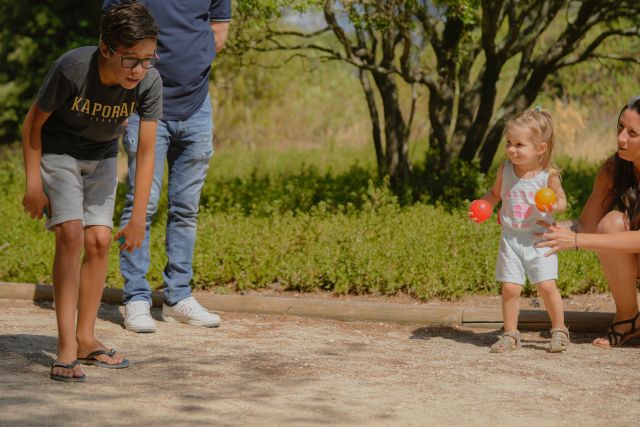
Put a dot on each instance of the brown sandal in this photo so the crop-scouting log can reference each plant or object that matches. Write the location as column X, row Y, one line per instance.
column 509, row 341
column 617, row 339
column 559, row 340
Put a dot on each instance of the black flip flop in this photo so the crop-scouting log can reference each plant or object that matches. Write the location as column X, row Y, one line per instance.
column 91, row 360
column 64, row 378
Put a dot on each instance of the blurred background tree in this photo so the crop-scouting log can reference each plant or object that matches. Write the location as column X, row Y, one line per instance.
column 447, row 72
column 459, row 50
column 33, row 33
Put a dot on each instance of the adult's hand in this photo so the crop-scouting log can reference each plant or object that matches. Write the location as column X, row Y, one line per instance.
column 556, row 237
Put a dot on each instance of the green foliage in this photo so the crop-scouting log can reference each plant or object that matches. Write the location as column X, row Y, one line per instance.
column 302, row 191
column 332, row 235
column 608, row 85
column 465, row 10
column 27, row 249
column 305, row 103
column 450, row 188
column 577, row 182
column 33, row 33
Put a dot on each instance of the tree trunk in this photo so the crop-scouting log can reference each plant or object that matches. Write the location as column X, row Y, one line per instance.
column 397, row 155
column 375, row 123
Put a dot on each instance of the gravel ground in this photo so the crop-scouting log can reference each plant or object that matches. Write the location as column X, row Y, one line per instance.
column 285, row 370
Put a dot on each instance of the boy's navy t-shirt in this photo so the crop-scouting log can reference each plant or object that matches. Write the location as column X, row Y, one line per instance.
column 86, row 116
column 186, row 48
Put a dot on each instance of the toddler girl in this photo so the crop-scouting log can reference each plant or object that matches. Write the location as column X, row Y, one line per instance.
column 530, row 139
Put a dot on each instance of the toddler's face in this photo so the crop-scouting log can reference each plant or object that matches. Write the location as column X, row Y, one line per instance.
column 629, row 136
column 521, row 149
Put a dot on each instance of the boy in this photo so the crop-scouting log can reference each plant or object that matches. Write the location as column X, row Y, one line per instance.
column 70, row 142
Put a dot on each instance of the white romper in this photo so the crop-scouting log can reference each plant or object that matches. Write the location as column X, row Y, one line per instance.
column 518, row 258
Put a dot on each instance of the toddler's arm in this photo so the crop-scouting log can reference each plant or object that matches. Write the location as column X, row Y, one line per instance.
column 493, row 195
column 561, row 199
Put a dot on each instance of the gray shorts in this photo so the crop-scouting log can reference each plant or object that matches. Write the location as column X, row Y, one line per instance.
column 82, row 190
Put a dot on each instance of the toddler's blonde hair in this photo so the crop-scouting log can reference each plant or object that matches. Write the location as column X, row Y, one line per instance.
column 539, row 124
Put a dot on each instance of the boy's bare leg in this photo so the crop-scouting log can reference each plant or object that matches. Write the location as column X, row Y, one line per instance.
column 69, row 241
column 93, row 271
column 552, row 302
column 510, row 306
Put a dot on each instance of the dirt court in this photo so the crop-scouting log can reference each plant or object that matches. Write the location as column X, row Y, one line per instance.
column 293, row 371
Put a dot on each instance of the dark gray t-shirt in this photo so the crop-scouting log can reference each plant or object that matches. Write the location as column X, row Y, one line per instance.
column 86, row 116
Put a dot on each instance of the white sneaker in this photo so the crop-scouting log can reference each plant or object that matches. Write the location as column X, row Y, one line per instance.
column 137, row 317
column 190, row 311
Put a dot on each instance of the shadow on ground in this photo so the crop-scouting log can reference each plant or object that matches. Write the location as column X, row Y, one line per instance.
column 533, row 340
column 38, row 349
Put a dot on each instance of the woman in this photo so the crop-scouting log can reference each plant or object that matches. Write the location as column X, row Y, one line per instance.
column 610, row 225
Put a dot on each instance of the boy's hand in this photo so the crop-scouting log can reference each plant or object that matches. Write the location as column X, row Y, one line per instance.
column 35, row 202
column 131, row 236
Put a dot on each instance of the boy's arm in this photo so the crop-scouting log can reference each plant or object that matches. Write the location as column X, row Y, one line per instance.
column 134, row 231
column 34, row 200
column 493, row 195
column 561, row 199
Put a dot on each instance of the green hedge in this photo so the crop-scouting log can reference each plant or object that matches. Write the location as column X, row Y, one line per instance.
column 376, row 247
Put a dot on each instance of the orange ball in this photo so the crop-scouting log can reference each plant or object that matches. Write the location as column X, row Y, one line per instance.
column 545, row 198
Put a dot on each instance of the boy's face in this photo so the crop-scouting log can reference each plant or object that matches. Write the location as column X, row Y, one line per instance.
column 126, row 65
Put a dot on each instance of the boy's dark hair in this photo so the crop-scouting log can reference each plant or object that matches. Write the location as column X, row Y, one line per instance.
column 126, row 25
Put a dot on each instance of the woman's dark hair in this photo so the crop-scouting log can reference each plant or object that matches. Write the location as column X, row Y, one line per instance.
column 626, row 192
column 126, row 25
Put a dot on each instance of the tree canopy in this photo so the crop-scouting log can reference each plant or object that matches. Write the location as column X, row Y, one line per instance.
column 479, row 60
column 33, row 33
column 458, row 50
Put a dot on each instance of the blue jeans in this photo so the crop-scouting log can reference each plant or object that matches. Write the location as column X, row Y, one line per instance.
column 187, row 147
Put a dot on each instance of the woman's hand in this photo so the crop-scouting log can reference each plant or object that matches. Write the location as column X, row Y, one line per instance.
column 556, row 237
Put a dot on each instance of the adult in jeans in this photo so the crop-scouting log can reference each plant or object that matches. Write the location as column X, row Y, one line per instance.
column 610, row 225
column 191, row 32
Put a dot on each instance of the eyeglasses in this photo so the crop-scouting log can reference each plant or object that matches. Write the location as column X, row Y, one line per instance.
column 133, row 62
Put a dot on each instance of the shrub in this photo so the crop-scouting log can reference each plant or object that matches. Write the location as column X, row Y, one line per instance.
column 329, row 234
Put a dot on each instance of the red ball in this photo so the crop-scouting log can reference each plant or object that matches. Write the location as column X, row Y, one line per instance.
column 480, row 211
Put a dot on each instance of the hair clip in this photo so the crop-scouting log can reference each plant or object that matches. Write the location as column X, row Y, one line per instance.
column 538, row 109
